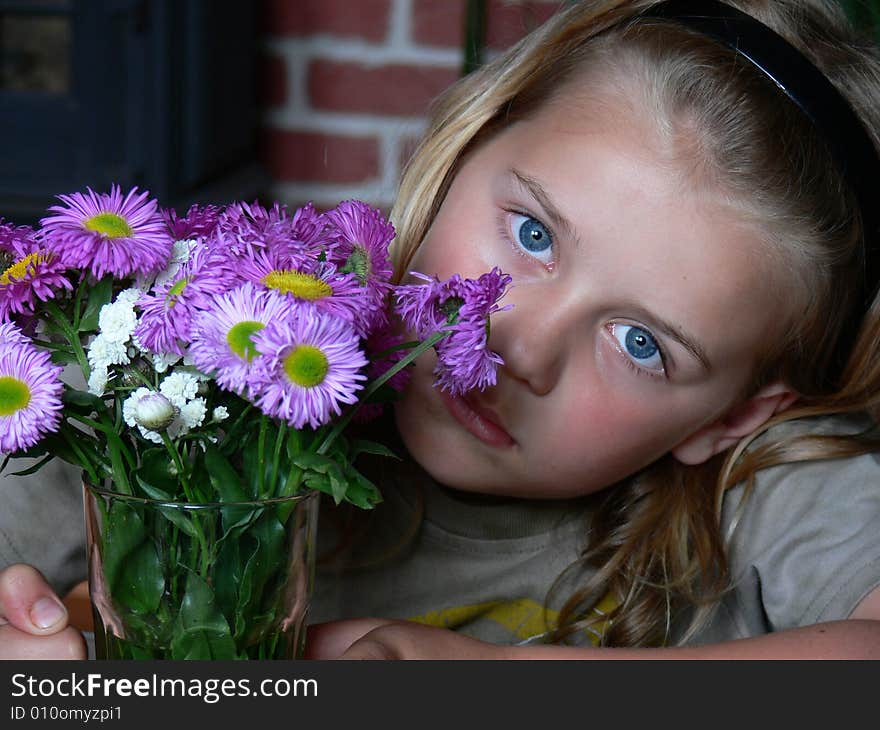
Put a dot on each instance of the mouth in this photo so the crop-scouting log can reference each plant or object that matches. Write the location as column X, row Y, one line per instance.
column 478, row 421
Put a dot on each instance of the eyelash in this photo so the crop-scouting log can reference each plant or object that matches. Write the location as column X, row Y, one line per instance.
column 504, row 231
column 630, row 363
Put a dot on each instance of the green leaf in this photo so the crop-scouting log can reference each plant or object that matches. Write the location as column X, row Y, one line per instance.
column 361, row 491
column 362, row 446
column 131, row 563
column 99, row 295
column 157, row 473
column 201, row 631
column 266, row 563
column 225, row 480
column 82, row 399
column 62, row 357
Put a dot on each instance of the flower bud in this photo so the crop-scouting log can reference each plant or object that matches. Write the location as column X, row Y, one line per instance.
column 154, row 411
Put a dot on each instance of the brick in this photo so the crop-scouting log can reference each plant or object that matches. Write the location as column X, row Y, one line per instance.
column 394, row 89
column 367, row 19
column 438, row 22
column 442, row 22
column 272, row 76
column 508, row 21
column 292, row 155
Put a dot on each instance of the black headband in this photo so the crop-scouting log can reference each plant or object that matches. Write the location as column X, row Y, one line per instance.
column 803, row 83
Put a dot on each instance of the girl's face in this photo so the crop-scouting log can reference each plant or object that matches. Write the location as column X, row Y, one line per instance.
column 641, row 303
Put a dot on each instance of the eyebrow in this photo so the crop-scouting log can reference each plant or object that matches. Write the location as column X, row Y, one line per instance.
column 537, row 191
column 673, row 331
column 679, row 335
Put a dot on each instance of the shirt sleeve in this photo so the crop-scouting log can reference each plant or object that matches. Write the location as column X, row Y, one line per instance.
column 42, row 523
column 806, row 548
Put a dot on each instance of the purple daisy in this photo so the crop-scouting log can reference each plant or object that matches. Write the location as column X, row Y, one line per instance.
column 107, row 234
column 27, row 273
column 293, row 242
column 311, row 364
column 168, row 311
column 30, row 397
column 364, row 237
column 464, row 307
column 198, row 222
column 222, row 335
column 464, row 360
column 319, row 283
column 10, row 335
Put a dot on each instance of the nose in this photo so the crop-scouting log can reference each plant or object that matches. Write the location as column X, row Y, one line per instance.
column 533, row 337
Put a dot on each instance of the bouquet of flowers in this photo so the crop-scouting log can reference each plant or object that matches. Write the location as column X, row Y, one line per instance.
column 202, row 371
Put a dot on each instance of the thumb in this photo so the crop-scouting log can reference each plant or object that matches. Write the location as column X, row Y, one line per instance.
column 29, row 603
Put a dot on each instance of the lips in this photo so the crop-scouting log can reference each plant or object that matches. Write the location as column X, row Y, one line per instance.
column 478, row 420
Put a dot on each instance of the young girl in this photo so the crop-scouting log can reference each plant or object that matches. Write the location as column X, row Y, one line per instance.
column 678, row 457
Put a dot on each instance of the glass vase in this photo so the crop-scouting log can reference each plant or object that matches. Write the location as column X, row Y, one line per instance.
column 172, row 580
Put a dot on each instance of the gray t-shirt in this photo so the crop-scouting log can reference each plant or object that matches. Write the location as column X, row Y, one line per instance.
column 806, row 549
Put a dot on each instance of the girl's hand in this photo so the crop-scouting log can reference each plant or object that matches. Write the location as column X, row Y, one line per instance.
column 33, row 621
column 372, row 638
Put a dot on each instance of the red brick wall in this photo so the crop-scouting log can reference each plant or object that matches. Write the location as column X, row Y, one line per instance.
column 346, row 83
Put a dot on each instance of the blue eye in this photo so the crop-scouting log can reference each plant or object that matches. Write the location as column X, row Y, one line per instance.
column 532, row 235
column 640, row 346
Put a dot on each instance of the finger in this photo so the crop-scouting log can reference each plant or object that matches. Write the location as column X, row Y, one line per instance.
column 28, row 603
column 369, row 649
column 66, row 644
column 329, row 640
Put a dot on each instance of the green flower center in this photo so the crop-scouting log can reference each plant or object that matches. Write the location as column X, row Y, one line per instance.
column 306, row 366
column 239, row 339
column 359, row 264
column 304, row 286
column 175, row 291
column 20, row 269
column 109, row 224
column 14, row 395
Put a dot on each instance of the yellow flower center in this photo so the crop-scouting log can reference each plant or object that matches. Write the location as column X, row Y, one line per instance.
column 239, row 339
column 14, row 395
column 306, row 366
column 109, row 224
column 20, row 269
column 304, row 286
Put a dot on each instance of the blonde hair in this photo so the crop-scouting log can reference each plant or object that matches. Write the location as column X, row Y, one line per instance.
column 655, row 540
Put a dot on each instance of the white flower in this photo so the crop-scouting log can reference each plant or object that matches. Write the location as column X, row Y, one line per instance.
column 98, row 381
column 164, row 360
column 180, row 253
column 221, row 413
column 129, row 296
column 179, row 388
column 117, row 321
column 153, row 436
column 149, row 411
column 193, row 413
column 129, row 405
column 104, row 352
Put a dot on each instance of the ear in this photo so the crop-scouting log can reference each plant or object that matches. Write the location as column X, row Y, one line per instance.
column 738, row 422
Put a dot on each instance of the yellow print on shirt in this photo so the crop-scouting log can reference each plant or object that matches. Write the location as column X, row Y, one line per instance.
column 523, row 617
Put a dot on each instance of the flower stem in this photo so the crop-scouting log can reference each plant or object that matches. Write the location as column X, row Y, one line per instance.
column 181, row 472
column 378, row 383
column 261, row 455
column 276, row 456
column 71, row 334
